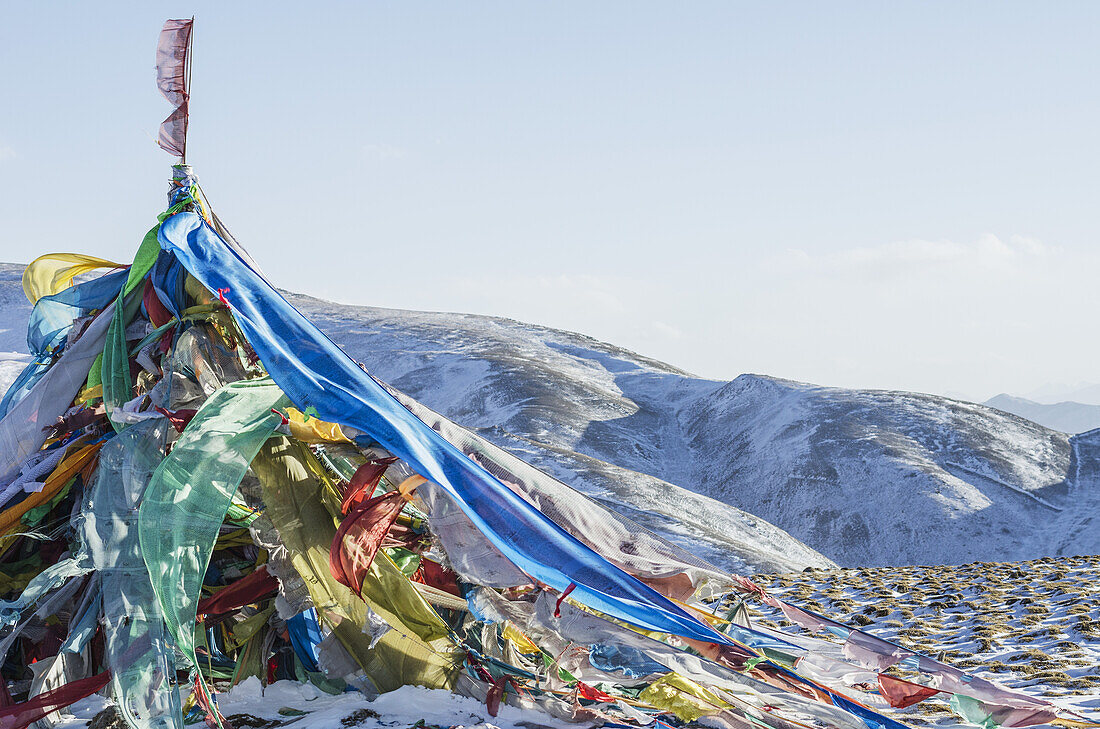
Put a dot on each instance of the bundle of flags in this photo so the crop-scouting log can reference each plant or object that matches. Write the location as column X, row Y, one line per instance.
column 197, row 487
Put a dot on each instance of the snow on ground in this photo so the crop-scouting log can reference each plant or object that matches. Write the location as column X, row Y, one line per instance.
column 11, row 364
column 1032, row 626
column 404, row 707
column 288, row 703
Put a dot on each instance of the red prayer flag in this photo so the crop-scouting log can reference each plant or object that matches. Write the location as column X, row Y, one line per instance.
column 359, row 537
column 154, row 307
column 245, row 591
column 592, row 693
column 172, row 49
column 363, row 483
column 436, row 575
column 178, row 418
column 23, row 714
column 495, row 694
column 900, row 693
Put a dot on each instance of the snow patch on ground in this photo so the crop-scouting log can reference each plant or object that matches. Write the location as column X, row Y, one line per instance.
column 301, row 705
column 11, row 364
column 1031, row 626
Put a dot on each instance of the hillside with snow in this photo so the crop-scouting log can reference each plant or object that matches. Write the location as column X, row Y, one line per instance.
column 862, row 477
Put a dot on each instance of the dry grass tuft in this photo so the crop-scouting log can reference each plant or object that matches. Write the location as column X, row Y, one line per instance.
column 1028, row 624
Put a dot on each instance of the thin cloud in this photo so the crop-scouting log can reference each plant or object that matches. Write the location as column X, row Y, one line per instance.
column 987, row 252
column 583, row 292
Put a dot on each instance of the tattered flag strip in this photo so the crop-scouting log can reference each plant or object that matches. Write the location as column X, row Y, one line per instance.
column 172, row 51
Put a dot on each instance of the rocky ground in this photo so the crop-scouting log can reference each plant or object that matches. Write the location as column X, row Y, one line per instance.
column 1033, row 626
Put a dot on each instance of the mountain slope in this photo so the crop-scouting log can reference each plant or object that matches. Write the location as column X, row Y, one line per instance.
column 865, row 477
column 1068, row 417
column 874, row 477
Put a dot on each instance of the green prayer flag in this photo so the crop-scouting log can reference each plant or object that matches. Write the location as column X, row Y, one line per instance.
column 191, row 491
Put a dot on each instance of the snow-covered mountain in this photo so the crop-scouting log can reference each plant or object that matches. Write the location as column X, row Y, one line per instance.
column 874, row 477
column 863, row 477
column 1068, row 417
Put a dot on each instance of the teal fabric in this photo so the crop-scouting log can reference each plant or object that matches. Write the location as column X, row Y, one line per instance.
column 115, row 360
column 971, row 710
column 191, row 492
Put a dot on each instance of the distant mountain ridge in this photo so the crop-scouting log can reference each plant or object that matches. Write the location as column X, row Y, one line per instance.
column 1068, row 417
column 752, row 474
column 1087, row 393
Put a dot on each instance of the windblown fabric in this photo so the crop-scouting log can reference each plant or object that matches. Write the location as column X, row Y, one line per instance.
column 190, row 493
column 52, row 318
column 360, row 536
column 258, row 585
column 900, row 694
column 314, row 372
column 363, row 482
column 52, row 322
column 52, row 273
column 179, row 480
column 172, row 49
column 571, row 624
column 22, row 715
column 878, row 654
column 305, row 635
column 21, row 429
column 61, row 476
column 139, row 653
column 416, row 650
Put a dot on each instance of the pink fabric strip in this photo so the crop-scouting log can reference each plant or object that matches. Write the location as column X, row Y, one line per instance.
column 172, row 47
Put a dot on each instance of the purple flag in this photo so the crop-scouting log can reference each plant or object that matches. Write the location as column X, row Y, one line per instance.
column 172, row 49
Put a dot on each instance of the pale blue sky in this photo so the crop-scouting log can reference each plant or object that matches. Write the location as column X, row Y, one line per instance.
column 857, row 194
